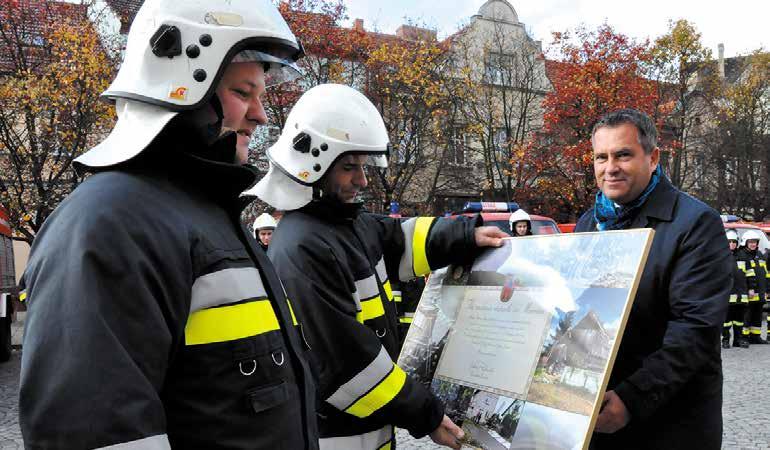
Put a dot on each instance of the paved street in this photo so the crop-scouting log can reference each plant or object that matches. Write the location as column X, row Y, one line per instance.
column 745, row 382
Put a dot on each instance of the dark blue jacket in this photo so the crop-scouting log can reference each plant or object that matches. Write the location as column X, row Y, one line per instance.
column 668, row 371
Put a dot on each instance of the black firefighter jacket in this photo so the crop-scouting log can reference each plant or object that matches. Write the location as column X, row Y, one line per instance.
column 338, row 265
column 754, row 267
column 668, row 371
column 155, row 320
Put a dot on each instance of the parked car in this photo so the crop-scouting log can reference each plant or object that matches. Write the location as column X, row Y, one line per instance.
column 498, row 214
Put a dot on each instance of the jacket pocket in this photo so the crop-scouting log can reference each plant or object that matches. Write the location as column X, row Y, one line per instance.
column 268, row 397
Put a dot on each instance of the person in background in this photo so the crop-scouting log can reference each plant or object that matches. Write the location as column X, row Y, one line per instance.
column 263, row 228
column 521, row 224
column 739, row 299
column 755, row 268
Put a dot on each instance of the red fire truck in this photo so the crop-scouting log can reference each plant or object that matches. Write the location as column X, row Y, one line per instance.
column 8, row 287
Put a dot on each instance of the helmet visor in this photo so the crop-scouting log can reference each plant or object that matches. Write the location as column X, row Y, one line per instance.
column 279, row 70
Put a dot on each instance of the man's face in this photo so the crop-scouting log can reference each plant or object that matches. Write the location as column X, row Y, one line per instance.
column 621, row 167
column 733, row 245
column 521, row 228
column 265, row 236
column 752, row 244
column 346, row 178
column 240, row 92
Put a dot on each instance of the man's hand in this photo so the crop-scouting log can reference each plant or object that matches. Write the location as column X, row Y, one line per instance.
column 448, row 433
column 490, row 236
column 613, row 415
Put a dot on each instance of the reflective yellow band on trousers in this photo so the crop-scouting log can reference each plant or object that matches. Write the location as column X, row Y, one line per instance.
column 370, row 309
column 22, row 296
column 380, row 395
column 733, row 298
column 420, row 239
column 229, row 323
column 728, row 324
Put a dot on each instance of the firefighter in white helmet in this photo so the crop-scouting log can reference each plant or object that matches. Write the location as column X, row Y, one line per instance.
column 263, row 228
column 738, row 300
column 338, row 263
column 755, row 268
column 136, row 337
column 521, row 224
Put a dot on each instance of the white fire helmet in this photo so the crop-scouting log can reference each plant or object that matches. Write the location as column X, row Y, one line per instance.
column 327, row 122
column 264, row 222
column 732, row 235
column 518, row 216
column 751, row 235
column 175, row 55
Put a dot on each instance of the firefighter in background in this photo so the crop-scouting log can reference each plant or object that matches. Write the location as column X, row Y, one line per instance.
column 263, row 228
column 738, row 301
column 521, row 224
column 754, row 264
column 135, row 334
column 337, row 262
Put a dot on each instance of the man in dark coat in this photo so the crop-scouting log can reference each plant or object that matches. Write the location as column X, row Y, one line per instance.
column 665, row 390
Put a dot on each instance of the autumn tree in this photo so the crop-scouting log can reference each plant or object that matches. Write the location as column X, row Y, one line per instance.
column 679, row 63
column 740, row 151
column 53, row 66
column 597, row 72
column 503, row 107
column 409, row 82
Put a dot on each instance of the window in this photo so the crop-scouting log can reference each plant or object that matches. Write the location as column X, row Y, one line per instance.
column 499, row 67
column 458, row 147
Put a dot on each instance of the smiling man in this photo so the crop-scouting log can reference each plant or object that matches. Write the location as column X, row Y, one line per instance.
column 665, row 390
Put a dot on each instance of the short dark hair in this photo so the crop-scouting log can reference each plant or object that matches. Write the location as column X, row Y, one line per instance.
column 648, row 135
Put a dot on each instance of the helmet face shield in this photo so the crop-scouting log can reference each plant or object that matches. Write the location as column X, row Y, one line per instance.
column 277, row 70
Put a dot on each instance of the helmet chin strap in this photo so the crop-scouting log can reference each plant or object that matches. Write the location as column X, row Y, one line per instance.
column 207, row 120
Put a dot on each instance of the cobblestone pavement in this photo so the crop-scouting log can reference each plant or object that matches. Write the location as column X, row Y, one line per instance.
column 745, row 385
column 10, row 434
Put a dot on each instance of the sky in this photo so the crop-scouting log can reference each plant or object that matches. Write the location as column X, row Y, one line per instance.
column 740, row 24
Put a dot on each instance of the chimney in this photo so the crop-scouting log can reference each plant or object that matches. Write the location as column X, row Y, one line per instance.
column 721, row 49
column 358, row 24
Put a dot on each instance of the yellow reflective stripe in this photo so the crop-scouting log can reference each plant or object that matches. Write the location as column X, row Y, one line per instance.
column 291, row 310
column 755, row 298
column 741, row 265
column 420, row 239
column 386, row 446
column 728, row 324
column 370, row 309
column 744, row 298
column 397, row 296
column 229, row 323
column 22, row 296
column 737, row 324
column 388, row 290
column 405, row 319
column 745, row 332
column 733, row 298
column 380, row 395
column 755, row 330
column 750, row 273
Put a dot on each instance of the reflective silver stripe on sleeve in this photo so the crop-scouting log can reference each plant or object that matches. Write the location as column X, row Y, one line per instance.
column 381, row 272
column 367, row 288
column 372, row 440
column 357, row 300
column 157, row 442
column 226, row 286
column 363, row 382
column 405, row 266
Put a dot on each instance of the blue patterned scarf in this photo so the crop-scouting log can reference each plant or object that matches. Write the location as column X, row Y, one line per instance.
column 611, row 217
